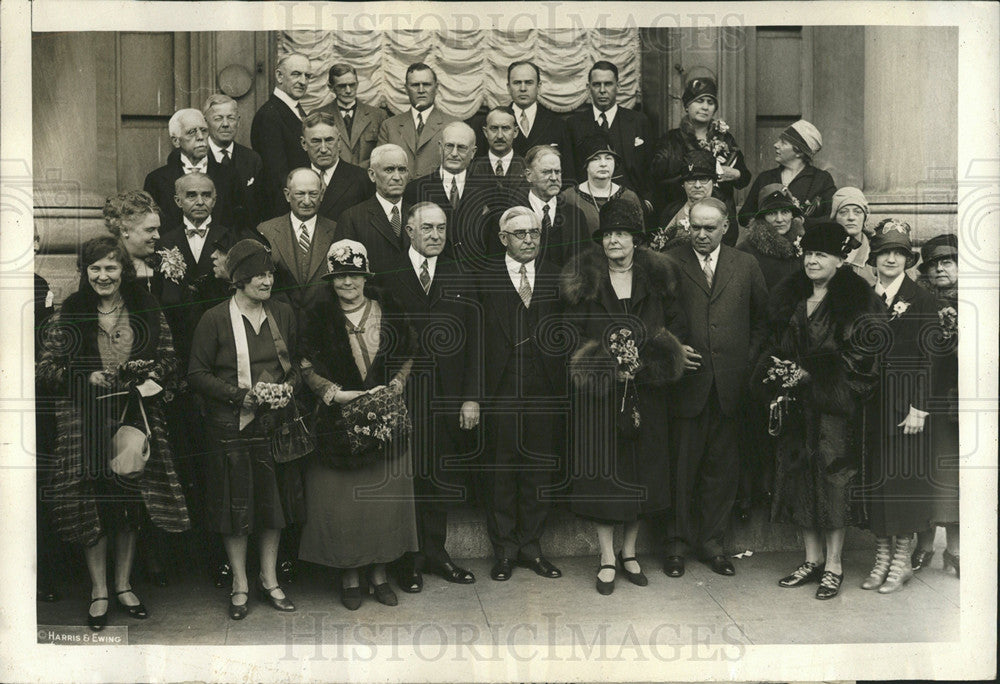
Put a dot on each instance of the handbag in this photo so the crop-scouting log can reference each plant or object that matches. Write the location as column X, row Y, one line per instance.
column 778, row 415
column 130, row 446
column 374, row 420
column 291, row 439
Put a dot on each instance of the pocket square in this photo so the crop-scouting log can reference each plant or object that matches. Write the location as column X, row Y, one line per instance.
column 250, row 182
column 639, row 141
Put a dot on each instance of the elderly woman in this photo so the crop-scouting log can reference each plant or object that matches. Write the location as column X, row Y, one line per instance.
column 242, row 363
column 700, row 130
column 133, row 217
column 621, row 297
column 939, row 276
column 794, row 151
column 108, row 339
column 599, row 165
column 897, row 487
column 773, row 236
column 360, row 512
column 817, row 411
column 850, row 209
column 698, row 183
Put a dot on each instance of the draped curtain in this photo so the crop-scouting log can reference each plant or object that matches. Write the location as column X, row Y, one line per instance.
column 471, row 65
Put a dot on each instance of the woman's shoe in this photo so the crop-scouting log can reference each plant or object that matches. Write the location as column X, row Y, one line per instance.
column 238, row 611
column 883, row 557
column 948, row 558
column 282, row 604
column 829, row 585
column 605, row 588
column 636, row 578
column 804, row 574
column 350, row 597
column 383, row 592
column 900, row 571
column 97, row 622
column 920, row 558
column 138, row 611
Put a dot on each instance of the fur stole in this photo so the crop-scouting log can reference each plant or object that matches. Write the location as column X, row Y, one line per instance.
column 848, row 294
column 583, row 278
column 765, row 240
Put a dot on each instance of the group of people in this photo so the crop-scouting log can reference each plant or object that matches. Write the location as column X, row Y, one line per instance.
column 333, row 339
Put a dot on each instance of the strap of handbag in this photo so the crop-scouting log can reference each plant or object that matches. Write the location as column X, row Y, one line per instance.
column 142, row 410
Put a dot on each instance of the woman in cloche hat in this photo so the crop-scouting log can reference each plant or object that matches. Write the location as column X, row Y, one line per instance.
column 600, row 165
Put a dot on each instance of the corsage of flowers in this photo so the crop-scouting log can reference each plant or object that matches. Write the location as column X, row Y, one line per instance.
column 661, row 238
column 172, row 264
column 898, row 309
column 626, row 355
column 948, row 317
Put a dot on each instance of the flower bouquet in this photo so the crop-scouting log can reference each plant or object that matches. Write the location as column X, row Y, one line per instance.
column 274, row 395
column 375, row 419
column 716, row 143
column 626, row 355
column 172, row 264
column 786, row 375
column 132, row 373
column 948, row 318
column 664, row 238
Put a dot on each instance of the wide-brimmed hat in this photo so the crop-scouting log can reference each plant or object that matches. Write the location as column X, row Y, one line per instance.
column 346, row 257
column 619, row 214
column 804, row 136
column 889, row 234
column 828, row 237
column 944, row 246
column 699, row 164
column 775, row 196
column 697, row 87
column 248, row 258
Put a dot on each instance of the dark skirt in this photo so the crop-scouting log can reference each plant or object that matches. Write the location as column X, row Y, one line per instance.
column 944, row 468
column 246, row 490
column 817, row 460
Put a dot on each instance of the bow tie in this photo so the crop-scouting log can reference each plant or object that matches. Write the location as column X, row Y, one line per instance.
column 200, row 168
column 191, row 232
column 344, row 112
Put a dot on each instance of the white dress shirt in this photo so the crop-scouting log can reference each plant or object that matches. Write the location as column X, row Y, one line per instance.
column 196, row 242
column 609, row 115
column 189, row 166
column 417, row 259
column 387, row 208
column 537, row 203
column 514, row 271
column 217, row 151
column 504, row 160
column 529, row 112
column 325, row 174
column 446, row 177
column 424, row 112
column 288, row 100
column 892, row 289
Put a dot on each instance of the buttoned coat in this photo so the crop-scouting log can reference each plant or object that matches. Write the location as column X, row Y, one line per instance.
column 423, row 153
column 285, row 251
column 727, row 325
column 276, row 135
column 630, row 135
column 349, row 185
column 367, row 223
column 356, row 147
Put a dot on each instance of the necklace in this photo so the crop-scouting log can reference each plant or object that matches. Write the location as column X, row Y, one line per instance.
column 589, row 192
column 359, row 307
column 619, row 270
column 113, row 309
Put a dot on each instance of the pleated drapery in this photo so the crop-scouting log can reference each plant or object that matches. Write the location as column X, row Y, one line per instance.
column 471, row 65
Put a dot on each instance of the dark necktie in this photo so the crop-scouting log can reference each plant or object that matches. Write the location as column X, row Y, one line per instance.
column 453, row 195
column 604, row 123
column 499, row 169
column 546, row 221
column 885, row 297
column 226, row 159
column 302, row 112
column 348, row 119
column 420, row 124
column 394, row 221
column 425, row 278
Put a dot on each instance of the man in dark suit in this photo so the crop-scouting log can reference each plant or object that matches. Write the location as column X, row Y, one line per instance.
column 357, row 122
column 276, row 130
column 223, row 119
column 501, row 165
column 377, row 223
column 299, row 242
column 724, row 297
column 342, row 184
column 536, row 124
column 418, row 129
column 519, row 297
column 189, row 136
column 564, row 226
column 436, row 296
column 627, row 131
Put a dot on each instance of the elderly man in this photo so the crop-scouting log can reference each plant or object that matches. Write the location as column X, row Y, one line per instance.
column 223, row 118
column 627, row 131
column 519, row 297
column 343, row 184
column 563, row 225
column 277, row 129
column 501, row 165
column 189, row 136
column 724, row 298
column 417, row 130
column 299, row 241
column 377, row 223
column 435, row 295
column 357, row 122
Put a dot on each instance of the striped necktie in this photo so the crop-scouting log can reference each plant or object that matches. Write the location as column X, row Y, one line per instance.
column 425, row 278
column 304, row 241
column 525, row 289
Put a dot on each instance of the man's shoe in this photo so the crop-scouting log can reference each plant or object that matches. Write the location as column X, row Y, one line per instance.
column 541, row 567
column 286, row 572
column 409, row 579
column 222, row 575
column 673, row 566
column 450, row 572
column 502, row 570
column 721, row 565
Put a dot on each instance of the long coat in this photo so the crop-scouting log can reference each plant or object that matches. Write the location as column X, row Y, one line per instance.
column 811, row 185
column 615, row 477
column 423, row 152
column 69, row 355
column 897, row 488
column 820, row 448
column 356, row 147
column 276, row 135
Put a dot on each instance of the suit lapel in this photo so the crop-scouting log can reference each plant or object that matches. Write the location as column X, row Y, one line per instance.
column 433, row 124
column 408, row 132
column 281, row 242
column 336, row 188
column 214, row 234
column 692, row 269
column 361, row 119
column 322, row 239
column 723, row 272
column 381, row 222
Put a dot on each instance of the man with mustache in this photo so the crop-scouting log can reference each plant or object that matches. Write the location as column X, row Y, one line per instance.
column 189, row 136
column 502, row 164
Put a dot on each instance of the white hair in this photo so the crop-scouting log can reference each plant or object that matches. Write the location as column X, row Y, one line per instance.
column 516, row 212
column 174, row 127
column 379, row 152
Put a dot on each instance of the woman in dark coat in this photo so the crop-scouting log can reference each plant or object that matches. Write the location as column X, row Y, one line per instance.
column 110, row 321
column 773, row 236
column 699, row 130
column 621, row 297
column 238, row 344
column 794, row 151
column 825, row 309
column 356, row 343
column 939, row 269
column 896, row 477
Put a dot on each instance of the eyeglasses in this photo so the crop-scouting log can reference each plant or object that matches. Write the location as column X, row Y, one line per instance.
column 534, row 233
column 699, row 181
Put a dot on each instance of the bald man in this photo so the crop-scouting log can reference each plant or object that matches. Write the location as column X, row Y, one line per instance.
column 189, row 136
column 276, row 131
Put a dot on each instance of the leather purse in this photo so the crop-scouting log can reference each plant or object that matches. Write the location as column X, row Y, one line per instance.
column 291, row 439
column 130, row 446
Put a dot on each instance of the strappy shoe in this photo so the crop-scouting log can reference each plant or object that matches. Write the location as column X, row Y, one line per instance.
column 605, row 588
column 636, row 578
column 98, row 622
column 238, row 611
column 138, row 611
column 804, row 574
column 879, row 571
column 829, row 585
column 267, row 594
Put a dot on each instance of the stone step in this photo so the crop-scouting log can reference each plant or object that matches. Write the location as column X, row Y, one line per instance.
column 568, row 535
